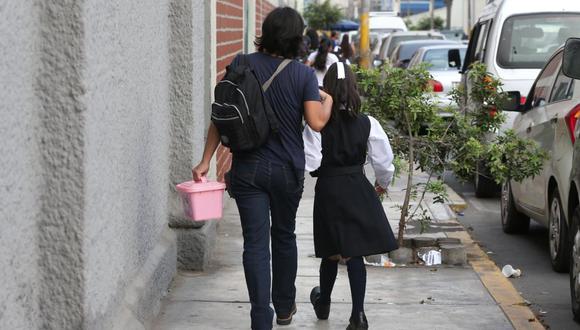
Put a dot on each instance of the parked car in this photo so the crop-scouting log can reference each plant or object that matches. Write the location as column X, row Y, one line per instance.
column 514, row 38
column 402, row 54
column 390, row 42
column 445, row 73
column 548, row 117
column 571, row 68
column 382, row 24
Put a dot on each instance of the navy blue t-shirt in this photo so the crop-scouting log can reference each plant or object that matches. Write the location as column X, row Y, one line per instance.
column 292, row 87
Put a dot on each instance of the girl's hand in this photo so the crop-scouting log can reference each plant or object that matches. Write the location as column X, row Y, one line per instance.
column 380, row 190
column 200, row 170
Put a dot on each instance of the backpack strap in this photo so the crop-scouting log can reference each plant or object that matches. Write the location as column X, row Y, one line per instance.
column 279, row 69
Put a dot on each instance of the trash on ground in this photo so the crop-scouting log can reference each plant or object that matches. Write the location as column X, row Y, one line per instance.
column 509, row 271
column 431, row 257
column 385, row 262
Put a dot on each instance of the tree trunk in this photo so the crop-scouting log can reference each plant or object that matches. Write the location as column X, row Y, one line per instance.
column 405, row 208
column 448, row 4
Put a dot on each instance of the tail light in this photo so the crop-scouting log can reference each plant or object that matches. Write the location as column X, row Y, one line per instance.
column 523, row 100
column 572, row 121
column 436, row 86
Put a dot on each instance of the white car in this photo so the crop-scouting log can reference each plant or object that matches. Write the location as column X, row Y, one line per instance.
column 514, row 38
column 548, row 117
column 445, row 74
column 390, row 42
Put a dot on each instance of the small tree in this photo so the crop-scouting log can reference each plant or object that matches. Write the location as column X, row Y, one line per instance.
column 402, row 101
column 425, row 24
column 321, row 16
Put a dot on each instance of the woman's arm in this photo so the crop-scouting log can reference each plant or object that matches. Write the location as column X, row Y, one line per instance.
column 317, row 113
column 211, row 144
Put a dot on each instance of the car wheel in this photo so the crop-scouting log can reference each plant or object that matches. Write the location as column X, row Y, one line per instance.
column 485, row 187
column 575, row 264
column 512, row 220
column 558, row 234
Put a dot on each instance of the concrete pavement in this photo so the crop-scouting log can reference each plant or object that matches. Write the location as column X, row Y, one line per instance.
column 397, row 298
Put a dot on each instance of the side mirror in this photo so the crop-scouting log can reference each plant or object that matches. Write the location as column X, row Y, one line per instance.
column 454, row 58
column 512, row 101
column 571, row 59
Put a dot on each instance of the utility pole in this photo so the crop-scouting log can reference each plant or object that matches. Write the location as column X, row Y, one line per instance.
column 365, row 51
column 432, row 13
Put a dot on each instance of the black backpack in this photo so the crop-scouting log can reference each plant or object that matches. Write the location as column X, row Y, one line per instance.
column 241, row 114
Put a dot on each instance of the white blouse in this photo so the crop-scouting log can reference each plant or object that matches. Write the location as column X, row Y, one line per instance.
column 380, row 154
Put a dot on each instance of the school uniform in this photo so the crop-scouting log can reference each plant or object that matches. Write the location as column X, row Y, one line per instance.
column 349, row 219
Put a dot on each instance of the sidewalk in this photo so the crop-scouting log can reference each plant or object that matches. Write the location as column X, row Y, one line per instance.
column 397, row 298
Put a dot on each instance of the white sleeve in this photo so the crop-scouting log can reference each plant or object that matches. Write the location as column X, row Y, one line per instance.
column 380, row 154
column 312, row 56
column 312, row 148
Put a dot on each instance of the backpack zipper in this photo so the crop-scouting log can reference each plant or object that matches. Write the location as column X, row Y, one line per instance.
column 228, row 105
column 241, row 93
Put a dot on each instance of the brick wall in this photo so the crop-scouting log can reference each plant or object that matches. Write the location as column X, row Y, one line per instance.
column 229, row 42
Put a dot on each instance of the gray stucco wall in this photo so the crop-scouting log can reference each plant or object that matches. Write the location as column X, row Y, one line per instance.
column 102, row 111
column 127, row 141
column 19, row 168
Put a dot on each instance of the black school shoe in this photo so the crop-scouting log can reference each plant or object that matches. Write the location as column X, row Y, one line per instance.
column 321, row 310
column 358, row 322
column 286, row 320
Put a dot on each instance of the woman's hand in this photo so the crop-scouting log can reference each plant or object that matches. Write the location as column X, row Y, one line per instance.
column 200, row 170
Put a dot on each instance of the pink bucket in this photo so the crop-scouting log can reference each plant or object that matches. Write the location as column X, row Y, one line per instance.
column 202, row 200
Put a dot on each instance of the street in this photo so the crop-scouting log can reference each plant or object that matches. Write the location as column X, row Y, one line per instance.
column 546, row 290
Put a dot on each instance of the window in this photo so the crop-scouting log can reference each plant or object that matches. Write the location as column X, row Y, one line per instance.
column 545, row 81
column 561, row 90
column 476, row 49
column 481, row 41
column 527, row 41
column 438, row 59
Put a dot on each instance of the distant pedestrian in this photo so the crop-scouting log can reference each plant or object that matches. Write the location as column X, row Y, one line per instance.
column 346, row 50
column 322, row 59
column 314, row 39
column 349, row 220
column 270, row 180
column 334, row 39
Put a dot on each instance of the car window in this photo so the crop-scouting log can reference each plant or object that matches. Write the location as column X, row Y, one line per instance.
column 562, row 88
column 438, row 59
column 527, row 41
column 482, row 42
column 544, row 83
column 396, row 40
column 477, row 39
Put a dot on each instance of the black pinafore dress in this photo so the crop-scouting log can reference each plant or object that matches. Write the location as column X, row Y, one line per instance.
column 349, row 219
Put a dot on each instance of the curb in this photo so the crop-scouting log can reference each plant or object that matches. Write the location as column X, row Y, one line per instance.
column 499, row 287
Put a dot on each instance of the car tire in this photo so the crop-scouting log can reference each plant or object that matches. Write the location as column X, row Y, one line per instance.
column 575, row 263
column 485, row 187
column 512, row 220
column 558, row 234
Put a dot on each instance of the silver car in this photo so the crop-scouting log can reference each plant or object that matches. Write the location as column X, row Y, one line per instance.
column 390, row 42
column 445, row 73
column 548, row 117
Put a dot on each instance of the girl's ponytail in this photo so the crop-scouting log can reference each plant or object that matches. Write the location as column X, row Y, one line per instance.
column 320, row 60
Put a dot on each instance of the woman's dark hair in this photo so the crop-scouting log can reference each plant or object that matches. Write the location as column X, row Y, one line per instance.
column 314, row 39
column 345, row 49
column 323, row 49
column 344, row 92
column 281, row 33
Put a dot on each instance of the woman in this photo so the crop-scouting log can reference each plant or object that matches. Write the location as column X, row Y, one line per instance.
column 270, row 180
column 346, row 50
column 322, row 59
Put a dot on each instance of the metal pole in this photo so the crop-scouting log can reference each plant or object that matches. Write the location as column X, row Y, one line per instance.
column 365, row 51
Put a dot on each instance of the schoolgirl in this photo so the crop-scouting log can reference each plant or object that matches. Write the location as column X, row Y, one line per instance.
column 349, row 221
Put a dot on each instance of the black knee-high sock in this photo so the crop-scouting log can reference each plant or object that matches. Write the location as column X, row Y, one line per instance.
column 328, row 269
column 357, row 276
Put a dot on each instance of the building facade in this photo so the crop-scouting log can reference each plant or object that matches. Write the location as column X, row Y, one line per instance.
column 104, row 108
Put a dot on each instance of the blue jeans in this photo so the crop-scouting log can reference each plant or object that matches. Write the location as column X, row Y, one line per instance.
column 261, row 189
